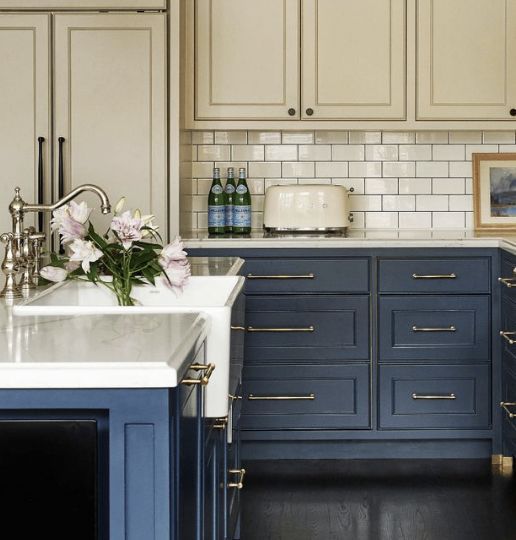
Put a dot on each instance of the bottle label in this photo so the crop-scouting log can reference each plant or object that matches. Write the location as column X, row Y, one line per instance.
column 241, row 189
column 217, row 189
column 229, row 215
column 241, row 216
column 230, row 188
column 216, row 216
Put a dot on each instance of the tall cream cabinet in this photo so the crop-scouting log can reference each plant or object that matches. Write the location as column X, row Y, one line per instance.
column 466, row 59
column 106, row 122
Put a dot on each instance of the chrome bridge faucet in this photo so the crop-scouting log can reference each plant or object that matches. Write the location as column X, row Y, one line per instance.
column 23, row 246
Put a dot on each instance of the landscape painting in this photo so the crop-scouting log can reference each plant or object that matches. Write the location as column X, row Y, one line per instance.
column 503, row 191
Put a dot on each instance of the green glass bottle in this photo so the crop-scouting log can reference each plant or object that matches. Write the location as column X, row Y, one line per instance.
column 229, row 191
column 242, row 206
column 216, row 205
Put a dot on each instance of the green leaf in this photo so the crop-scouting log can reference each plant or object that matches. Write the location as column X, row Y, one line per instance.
column 96, row 238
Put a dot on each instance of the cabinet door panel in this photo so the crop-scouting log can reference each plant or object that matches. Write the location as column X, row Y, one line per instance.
column 110, row 106
column 83, row 4
column 354, row 59
column 24, row 106
column 247, row 59
column 466, row 57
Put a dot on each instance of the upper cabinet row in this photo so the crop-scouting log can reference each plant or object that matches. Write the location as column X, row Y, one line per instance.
column 372, row 60
column 76, row 5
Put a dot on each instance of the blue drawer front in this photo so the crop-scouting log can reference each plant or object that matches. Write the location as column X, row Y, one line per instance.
column 434, row 328
column 508, row 274
column 280, row 328
column 509, row 424
column 419, row 275
column 291, row 276
column 509, row 326
column 339, row 397
column 407, row 397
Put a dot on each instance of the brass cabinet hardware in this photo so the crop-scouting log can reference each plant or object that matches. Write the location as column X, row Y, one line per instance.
column 281, row 276
column 252, row 397
column 506, row 335
column 205, row 379
column 505, row 406
column 508, row 282
column 221, row 423
column 234, row 398
column 241, row 328
column 300, row 329
column 448, row 329
column 240, row 483
column 434, row 276
column 423, row 396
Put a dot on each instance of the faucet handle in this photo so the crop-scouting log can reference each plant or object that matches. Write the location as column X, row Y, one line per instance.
column 10, row 269
column 37, row 239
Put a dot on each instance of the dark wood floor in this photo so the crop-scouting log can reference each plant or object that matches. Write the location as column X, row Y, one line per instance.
column 378, row 500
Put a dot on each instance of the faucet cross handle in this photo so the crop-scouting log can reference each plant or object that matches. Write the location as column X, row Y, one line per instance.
column 27, row 281
column 10, row 269
column 37, row 239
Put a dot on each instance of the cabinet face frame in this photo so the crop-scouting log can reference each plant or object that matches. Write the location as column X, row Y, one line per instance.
column 78, row 5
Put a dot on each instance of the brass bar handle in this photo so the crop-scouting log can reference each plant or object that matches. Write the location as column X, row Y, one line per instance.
column 300, row 329
column 508, row 282
column 241, row 328
column 505, row 406
column 240, row 483
column 283, row 276
column 506, row 335
column 205, row 379
column 252, row 397
column 221, row 423
column 434, row 276
column 448, row 329
column 234, row 398
column 423, row 396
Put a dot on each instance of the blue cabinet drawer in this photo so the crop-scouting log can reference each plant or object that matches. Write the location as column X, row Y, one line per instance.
column 434, row 328
column 446, row 396
column 507, row 278
column 508, row 333
column 509, row 423
column 466, row 275
column 307, row 327
column 305, row 397
column 292, row 276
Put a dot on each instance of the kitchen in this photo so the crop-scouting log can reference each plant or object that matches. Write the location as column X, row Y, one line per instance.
column 379, row 354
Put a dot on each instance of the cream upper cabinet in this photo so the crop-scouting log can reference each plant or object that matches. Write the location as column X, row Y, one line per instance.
column 82, row 4
column 24, row 108
column 466, row 59
column 110, row 107
column 353, row 58
column 247, row 59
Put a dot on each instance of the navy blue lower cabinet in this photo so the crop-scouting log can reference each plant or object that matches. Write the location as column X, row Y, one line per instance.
column 305, row 397
column 508, row 407
column 437, row 396
column 453, row 328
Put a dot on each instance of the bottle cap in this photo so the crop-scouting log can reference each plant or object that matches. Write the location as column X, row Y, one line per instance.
column 231, row 171
column 216, row 172
column 241, row 172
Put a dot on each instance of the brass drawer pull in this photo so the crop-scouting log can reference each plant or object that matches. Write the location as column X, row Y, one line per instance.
column 221, row 423
column 252, row 397
column 435, row 276
column 234, row 398
column 506, row 335
column 301, row 329
column 240, row 483
column 283, row 276
column 241, row 328
column 205, row 379
column 422, row 396
column 449, row 329
column 508, row 282
column 505, row 406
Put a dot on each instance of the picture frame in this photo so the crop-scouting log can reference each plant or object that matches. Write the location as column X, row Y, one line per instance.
column 494, row 191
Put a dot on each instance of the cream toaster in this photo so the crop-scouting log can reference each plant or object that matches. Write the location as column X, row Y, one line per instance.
column 306, row 208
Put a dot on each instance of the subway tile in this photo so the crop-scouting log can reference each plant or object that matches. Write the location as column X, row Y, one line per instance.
column 460, row 169
column 415, row 152
column 281, row 152
column 257, row 221
column 264, row 137
column 314, row 181
column 381, row 185
column 448, row 152
column 399, row 203
column 461, row 203
column 405, row 169
column 365, row 168
column 348, row 152
column 199, row 203
column 295, row 169
column 381, row 152
column 507, row 148
column 470, row 224
column 499, row 137
column 202, row 220
column 381, row 220
column 365, row 137
column 357, row 184
column 432, row 168
column 193, row 152
column 203, row 186
column 429, row 203
column 279, row 182
column 314, row 152
column 331, row 137
column 469, row 186
column 414, row 186
column 257, row 202
column 187, row 186
column 188, row 221
column 432, row 137
column 415, row 220
column 266, row 169
column 480, row 149
column 365, row 203
column 448, row 220
column 248, row 152
column 231, row 137
column 213, row 152
column 358, row 220
column 332, row 169
column 223, row 166
column 448, row 186
column 465, row 137
column 297, row 137
column 256, row 186
column 398, row 137
column 202, row 137
column 202, row 169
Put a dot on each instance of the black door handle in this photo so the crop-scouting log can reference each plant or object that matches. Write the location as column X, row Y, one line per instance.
column 41, row 181
column 60, row 174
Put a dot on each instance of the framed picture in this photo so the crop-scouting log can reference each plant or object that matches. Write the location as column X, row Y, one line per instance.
column 494, row 191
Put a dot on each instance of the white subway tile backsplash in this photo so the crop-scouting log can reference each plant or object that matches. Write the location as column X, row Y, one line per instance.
column 415, row 152
column 249, row 152
column 401, row 169
column 499, row 137
column 314, row 152
column 432, row 137
column 278, row 152
column 460, row 168
column 297, row 137
column 429, row 203
column 449, row 152
column 231, row 137
column 265, row 169
column 399, row 203
column 202, row 137
column 364, row 168
column 331, row 137
column 463, row 203
column 465, row 137
column 365, row 203
column 296, row 169
column 448, row 220
column 348, row 152
column 448, row 186
column 432, row 168
column 415, row 186
column 415, row 220
column 382, row 220
column 264, row 137
column 381, row 185
column 213, row 152
column 332, row 169
column 398, row 137
column 365, row 137
column 381, row 152
column 480, row 149
column 507, row 148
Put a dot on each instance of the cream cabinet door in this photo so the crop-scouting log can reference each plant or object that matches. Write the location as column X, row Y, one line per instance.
column 82, row 4
column 110, row 107
column 353, row 59
column 24, row 109
column 247, row 59
column 466, row 59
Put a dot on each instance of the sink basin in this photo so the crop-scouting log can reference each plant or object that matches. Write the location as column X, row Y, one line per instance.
column 213, row 296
